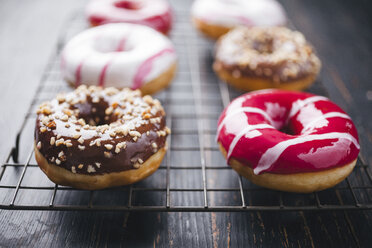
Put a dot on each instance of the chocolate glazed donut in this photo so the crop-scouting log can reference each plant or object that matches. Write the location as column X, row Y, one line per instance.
column 94, row 138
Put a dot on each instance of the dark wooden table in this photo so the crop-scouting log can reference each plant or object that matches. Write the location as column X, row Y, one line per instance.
column 341, row 31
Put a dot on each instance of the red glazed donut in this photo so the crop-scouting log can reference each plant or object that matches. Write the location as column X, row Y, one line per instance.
column 153, row 13
column 318, row 149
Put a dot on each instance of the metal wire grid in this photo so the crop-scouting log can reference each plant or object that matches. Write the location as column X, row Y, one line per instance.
column 354, row 193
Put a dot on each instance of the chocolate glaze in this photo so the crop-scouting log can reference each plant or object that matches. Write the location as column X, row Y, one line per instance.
column 85, row 104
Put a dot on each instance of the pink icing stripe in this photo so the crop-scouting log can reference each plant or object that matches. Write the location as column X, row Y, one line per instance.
column 78, row 73
column 145, row 68
column 120, row 47
column 101, row 80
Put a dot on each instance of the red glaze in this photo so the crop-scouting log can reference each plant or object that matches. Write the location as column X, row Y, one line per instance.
column 321, row 136
column 153, row 13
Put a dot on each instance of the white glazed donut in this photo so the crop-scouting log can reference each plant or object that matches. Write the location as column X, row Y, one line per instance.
column 119, row 55
column 216, row 17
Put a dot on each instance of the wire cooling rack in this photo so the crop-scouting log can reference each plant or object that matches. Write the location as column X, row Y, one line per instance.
column 194, row 175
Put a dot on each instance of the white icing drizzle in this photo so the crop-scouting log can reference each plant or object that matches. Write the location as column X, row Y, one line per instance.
column 230, row 13
column 245, row 110
column 323, row 117
column 273, row 153
column 244, row 132
column 95, row 51
column 297, row 105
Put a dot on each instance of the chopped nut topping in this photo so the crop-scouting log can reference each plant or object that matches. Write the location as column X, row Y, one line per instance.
column 61, row 154
column 60, row 142
column 67, row 112
column 107, row 154
column 80, row 166
column 136, row 165
column 58, row 161
column 73, row 169
column 43, row 129
column 81, row 140
column 109, row 111
column 76, row 136
column 52, row 140
column 140, row 161
column 38, row 145
column 81, row 121
column 90, row 169
column 135, row 133
column 154, row 145
column 115, row 104
column 81, row 147
column 109, row 146
column 64, row 118
column 46, row 110
column 98, row 165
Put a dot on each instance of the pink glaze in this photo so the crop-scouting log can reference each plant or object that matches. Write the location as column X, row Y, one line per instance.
column 145, row 68
column 78, row 73
column 321, row 135
column 153, row 13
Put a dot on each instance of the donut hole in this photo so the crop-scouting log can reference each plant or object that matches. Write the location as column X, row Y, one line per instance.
column 128, row 4
column 94, row 113
column 108, row 44
column 264, row 45
column 287, row 129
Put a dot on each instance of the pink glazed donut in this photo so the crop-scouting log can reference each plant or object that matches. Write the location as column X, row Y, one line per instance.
column 216, row 17
column 120, row 55
column 153, row 13
column 289, row 141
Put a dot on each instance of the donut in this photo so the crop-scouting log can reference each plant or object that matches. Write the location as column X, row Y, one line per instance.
column 156, row 14
column 260, row 58
column 94, row 138
column 288, row 141
column 119, row 55
column 216, row 17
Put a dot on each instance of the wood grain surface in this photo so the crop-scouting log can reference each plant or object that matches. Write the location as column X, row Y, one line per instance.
column 342, row 35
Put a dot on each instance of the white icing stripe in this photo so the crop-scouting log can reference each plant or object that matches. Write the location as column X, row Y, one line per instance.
column 325, row 116
column 242, row 133
column 273, row 153
column 297, row 105
column 245, row 110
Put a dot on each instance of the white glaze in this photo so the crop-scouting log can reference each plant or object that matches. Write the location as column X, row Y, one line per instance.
column 95, row 48
column 230, row 13
column 297, row 105
column 321, row 121
column 273, row 153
